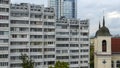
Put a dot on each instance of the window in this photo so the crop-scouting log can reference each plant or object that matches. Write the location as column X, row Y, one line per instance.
column 118, row 63
column 104, row 46
column 3, row 63
column 4, row 56
column 3, row 17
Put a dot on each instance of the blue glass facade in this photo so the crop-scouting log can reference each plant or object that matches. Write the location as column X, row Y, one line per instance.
column 67, row 8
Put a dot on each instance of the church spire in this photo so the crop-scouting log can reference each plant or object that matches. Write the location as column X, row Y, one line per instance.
column 103, row 20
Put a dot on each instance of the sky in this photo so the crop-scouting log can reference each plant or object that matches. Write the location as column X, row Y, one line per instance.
column 94, row 10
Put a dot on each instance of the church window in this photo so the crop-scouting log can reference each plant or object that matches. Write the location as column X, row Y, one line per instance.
column 104, row 46
column 118, row 63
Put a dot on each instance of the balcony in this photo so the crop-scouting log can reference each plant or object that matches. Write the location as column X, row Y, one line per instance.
column 19, row 18
column 19, row 39
column 4, row 36
column 4, row 13
column 19, row 25
column 4, row 21
column 4, row 28
column 4, row 5
column 36, row 19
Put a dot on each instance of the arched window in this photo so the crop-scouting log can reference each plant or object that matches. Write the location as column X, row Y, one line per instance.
column 104, row 46
column 118, row 64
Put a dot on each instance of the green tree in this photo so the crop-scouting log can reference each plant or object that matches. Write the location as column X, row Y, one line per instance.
column 26, row 61
column 59, row 64
column 91, row 56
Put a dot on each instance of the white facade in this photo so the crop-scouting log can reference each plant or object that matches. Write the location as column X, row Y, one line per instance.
column 4, row 33
column 72, row 42
column 33, row 30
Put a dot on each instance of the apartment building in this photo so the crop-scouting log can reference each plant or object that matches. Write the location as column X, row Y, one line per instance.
column 72, row 42
column 4, row 33
column 34, row 30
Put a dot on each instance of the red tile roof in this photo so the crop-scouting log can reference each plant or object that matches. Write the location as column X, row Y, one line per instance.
column 115, row 42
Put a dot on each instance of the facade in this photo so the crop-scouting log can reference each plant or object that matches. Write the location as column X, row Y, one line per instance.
column 4, row 33
column 107, row 49
column 72, row 42
column 66, row 8
column 34, row 30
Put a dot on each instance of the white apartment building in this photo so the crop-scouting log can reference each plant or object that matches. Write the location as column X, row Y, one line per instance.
column 33, row 30
column 4, row 33
column 72, row 42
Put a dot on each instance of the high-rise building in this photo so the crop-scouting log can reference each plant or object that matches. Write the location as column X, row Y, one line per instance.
column 66, row 8
column 72, row 42
column 4, row 33
column 34, row 30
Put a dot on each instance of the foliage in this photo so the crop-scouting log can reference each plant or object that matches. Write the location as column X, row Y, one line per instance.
column 26, row 61
column 59, row 64
column 91, row 56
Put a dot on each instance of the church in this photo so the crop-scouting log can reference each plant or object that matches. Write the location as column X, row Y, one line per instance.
column 106, row 49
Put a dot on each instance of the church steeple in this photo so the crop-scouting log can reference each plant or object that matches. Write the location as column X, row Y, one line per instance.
column 103, row 21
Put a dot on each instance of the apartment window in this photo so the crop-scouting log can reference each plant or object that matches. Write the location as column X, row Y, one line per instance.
column 36, row 29
column 64, row 51
column 62, row 45
column 74, row 57
column 18, row 50
column 3, row 40
column 4, row 1
column 74, row 51
column 35, row 50
column 62, row 57
column 36, row 56
column 36, row 22
column 3, row 25
column 15, row 65
column 3, row 63
column 35, row 36
column 4, row 32
column 4, row 56
column 35, row 43
column 49, row 56
column 4, row 9
column 4, row 17
column 23, row 36
column 49, row 49
column 74, row 45
column 14, row 36
column 74, row 62
column 18, row 43
column 3, row 48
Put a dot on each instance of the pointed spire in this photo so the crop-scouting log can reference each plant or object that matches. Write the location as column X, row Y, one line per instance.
column 99, row 25
column 103, row 20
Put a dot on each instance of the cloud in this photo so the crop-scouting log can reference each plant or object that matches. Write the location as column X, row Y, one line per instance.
column 113, row 14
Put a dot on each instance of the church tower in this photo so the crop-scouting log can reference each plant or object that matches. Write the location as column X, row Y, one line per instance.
column 102, row 47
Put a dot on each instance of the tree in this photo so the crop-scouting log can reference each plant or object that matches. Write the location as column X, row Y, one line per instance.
column 59, row 64
column 91, row 56
column 26, row 61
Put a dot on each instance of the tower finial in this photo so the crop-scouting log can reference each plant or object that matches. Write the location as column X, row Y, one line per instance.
column 99, row 25
column 103, row 20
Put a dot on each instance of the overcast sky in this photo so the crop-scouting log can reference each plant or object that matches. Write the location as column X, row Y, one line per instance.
column 93, row 10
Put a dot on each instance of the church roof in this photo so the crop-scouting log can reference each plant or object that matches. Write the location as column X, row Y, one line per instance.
column 103, row 31
column 115, row 42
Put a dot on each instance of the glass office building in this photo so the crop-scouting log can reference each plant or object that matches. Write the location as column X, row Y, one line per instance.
column 67, row 8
